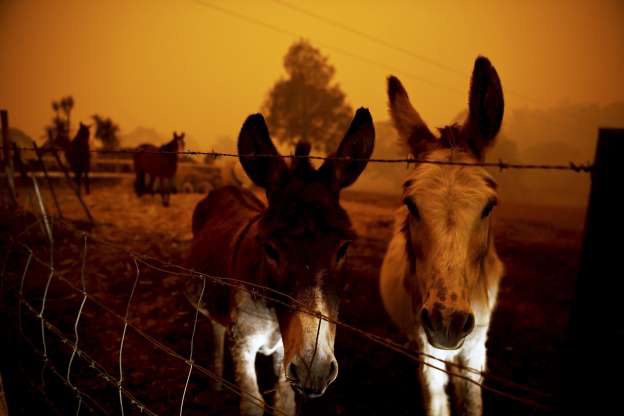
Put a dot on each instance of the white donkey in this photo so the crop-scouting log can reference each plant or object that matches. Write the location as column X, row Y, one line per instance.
column 440, row 277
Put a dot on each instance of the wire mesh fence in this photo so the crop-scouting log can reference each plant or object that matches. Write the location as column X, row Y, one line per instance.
column 59, row 271
column 490, row 382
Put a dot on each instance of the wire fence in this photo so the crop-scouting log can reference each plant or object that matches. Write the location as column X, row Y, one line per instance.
column 47, row 223
column 500, row 164
column 505, row 388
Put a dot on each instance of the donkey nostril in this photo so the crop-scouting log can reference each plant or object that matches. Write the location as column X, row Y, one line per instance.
column 292, row 373
column 424, row 316
column 333, row 370
column 469, row 325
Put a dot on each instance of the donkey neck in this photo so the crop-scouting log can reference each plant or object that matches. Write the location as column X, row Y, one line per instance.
column 245, row 234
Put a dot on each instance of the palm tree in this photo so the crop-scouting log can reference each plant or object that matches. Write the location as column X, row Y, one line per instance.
column 106, row 131
column 67, row 105
column 56, row 106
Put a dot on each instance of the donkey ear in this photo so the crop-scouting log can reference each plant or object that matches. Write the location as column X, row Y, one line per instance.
column 254, row 140
column 486, row 106
column 358, row 144
column 411, row 128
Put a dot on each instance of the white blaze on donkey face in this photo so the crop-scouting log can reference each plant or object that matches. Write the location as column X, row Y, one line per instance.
column 311, row 365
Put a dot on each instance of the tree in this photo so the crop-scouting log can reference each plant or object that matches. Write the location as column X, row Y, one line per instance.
column 67, row 105
column 306, row 105
column 57, row 133
column 106, row 132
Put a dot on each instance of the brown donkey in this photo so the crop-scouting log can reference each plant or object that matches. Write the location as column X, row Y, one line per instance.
column 296, row 246
column 439, row 279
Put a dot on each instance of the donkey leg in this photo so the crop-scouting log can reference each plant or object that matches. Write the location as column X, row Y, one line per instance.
column 244, row 350
column 77, row 179
column 284, row 394
column 469, row 394
column 87, row 184
column 218, row 342
column 433, row 382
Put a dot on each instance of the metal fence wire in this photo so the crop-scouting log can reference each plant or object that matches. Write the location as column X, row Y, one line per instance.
column 507, row 389
column 500, row 164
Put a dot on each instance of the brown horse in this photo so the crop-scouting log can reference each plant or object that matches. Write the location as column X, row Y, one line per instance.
column 157, row 162
column 296, row 246
column 78, row 155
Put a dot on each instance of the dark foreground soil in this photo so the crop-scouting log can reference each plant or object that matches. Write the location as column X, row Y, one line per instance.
column 539, row 245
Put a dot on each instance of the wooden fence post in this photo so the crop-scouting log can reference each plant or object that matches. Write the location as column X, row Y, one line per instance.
column 8, row 160
column 592, row 364
column 47, row 177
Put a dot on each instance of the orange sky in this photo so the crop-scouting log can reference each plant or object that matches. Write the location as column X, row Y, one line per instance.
column 180, row 65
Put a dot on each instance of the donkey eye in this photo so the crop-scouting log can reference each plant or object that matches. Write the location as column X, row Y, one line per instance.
column 413, row 209
column 488, row 208
column 271, row 252
column 342, row 251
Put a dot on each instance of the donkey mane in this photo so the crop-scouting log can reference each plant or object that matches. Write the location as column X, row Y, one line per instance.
column 451, row 136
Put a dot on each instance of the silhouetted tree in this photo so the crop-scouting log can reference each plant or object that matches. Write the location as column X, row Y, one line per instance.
column 57, row 133
column 306, row 105
column 56, row 107
column 67, row 105
column 106, row 132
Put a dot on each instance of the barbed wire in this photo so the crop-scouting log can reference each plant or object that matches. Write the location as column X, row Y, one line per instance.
column 258, row 291
column 500, row 164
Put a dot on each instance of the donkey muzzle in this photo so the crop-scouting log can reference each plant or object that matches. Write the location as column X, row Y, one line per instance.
column 312, row 379
column 446, row 329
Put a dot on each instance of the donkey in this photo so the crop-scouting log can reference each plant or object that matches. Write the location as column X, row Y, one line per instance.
column 439, row 279
column 78, row 155
column 294, row 246
column 157, row 162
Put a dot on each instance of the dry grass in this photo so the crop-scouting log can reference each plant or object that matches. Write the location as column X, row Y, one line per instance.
column 539, row 245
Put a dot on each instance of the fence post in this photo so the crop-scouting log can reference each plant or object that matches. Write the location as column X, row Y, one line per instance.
column 596, row 330
column 8, row 160
column 47, row 177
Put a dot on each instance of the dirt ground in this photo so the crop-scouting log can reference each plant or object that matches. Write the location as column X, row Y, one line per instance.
column 539, row 245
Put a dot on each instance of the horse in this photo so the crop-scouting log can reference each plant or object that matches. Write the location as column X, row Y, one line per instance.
column 157, row 162
column 294, row 246
column 440, row 275
column 78, row 156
